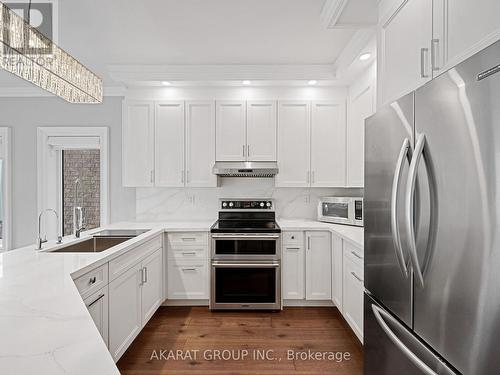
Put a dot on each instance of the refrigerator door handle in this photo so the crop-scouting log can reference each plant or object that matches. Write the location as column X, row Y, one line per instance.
column 381, row 316
column 410, row 207
column 396, row 237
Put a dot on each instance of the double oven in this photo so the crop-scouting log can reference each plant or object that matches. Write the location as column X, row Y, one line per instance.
column 246, row 257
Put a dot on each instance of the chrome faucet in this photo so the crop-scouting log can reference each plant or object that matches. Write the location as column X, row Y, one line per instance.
column 39, row 239
column 78, row 213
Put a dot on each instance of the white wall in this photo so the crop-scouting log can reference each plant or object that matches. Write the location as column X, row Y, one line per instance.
column 24, row 115
column 202, row 203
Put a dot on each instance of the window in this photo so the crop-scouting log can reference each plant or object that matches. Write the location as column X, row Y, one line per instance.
column 67, row 157
column 5, row 186
column 81, row 186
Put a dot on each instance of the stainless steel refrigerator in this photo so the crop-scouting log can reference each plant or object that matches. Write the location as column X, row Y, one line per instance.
column 432, row 220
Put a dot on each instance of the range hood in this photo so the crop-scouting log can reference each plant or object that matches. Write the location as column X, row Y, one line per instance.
column 245, row 168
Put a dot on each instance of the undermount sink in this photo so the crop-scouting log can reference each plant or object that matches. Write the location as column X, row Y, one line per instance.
column 93, row 245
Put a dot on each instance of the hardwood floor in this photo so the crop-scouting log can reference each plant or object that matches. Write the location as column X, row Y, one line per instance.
column 199, row 335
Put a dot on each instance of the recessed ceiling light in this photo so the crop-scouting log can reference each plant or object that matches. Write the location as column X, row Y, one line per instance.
column 365, row 56
column 166, row 83
column 246, row 82
column 312, row 82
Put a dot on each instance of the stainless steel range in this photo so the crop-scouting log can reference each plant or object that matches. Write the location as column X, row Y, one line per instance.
column 246, row 256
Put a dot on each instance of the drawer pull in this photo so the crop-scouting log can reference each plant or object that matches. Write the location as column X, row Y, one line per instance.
column 188, row 239
column 356, row 255
column 293, row 248
column 189, row 269
column 357, row 277
column 189, row 253
column 145, row 275
column 95, row 301
column 92, row 280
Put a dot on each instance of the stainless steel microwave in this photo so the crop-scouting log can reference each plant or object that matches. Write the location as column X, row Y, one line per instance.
column 341, row 210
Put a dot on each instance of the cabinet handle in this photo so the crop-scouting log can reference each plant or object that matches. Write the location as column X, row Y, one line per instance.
column 145, row 275
column 95, row 301
column 182, row 176
column 189, row 253
column 356, row 255
column 308, row 243
column 141, row 271
column 248, row 150
column 313, row 176
column 308, row 176
column 188, row 239
column 187, row 176
column 92, row 280
column 423, row 59
column 435, row 54
column 243, row 150
column 188, row 269
column 357, row 277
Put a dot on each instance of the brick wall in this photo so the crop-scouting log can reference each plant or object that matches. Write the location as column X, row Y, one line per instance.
column 85, row 165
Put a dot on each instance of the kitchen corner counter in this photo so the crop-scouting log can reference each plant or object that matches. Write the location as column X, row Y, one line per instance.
column 353, row 234
column 44, row 323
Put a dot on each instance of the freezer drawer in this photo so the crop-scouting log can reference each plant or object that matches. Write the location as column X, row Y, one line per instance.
column 392, row 349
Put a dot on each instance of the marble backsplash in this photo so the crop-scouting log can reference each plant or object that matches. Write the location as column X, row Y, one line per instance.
column 188, row 204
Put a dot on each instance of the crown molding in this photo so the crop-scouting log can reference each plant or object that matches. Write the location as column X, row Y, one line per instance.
column 33, row 92
column 133, row 75
column 331, row 12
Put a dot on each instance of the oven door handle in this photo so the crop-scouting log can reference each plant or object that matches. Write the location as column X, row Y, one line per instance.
column 245, row 237
column 240, row 265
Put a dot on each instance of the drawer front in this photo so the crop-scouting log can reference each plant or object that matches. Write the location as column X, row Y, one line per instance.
column 180, row 239
column 188, row 279
column 92, row 281
column 293, row 238
column 121, row 264
column 354, row 253
column 188, row 252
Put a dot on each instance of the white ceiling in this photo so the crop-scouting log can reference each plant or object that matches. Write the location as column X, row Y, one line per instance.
column 195, row 32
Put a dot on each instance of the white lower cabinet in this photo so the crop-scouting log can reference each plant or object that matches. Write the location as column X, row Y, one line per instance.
column 124, row 310
column 318, row 266
column 294, row 283
column 353, row 288
column 97, row 304
column 134, row 297
column 337, row 273
column 187, row 279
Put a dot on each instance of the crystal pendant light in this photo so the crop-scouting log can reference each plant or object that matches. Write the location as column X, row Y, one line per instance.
column 27, row 53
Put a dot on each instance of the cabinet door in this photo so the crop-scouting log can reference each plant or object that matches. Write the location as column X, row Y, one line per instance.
column 152, row 296
column 97, row 304
column 405, row 42
column 200, row 144
column 462, row 28
column 187, row 279
column 318, row 266
column 353, row 296
column 169, row 144
column 328, row 144
column 230, row 131
column 138, row 143
column 294, row 144
column 293, row 272
column 261, row 130
column 124, row 311
column 361, row 107
column 337, row 271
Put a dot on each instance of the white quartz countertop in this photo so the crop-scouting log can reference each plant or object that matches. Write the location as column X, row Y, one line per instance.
column 45, row 327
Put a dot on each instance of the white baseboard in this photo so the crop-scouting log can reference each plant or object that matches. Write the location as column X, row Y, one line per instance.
column 185, row 302
column 304, row 303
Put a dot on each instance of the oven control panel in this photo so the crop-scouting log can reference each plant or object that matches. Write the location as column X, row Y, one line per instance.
column 246, row 204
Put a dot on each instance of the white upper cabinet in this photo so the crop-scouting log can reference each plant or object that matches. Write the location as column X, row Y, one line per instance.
column 462, row 28
column 294, row 144
column 261, row 130
column 361, row 106
column 318, row 266
column 169, row 144
column 231, row 131
column 138, row 143
column 200, row 144
column 328, row 144
column 404, row 48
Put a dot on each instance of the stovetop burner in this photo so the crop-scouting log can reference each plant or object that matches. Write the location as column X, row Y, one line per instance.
column 246, row 216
